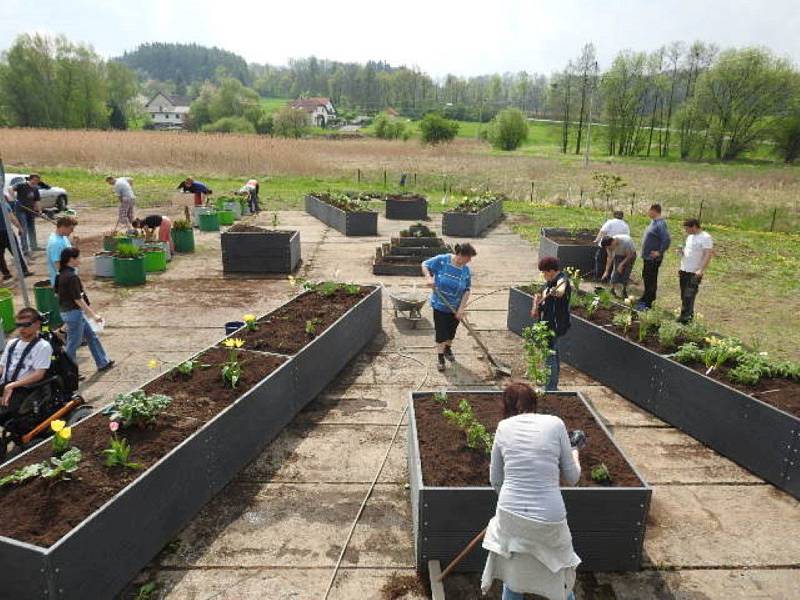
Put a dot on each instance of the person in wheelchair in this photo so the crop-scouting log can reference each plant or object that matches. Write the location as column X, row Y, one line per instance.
column 24, row 364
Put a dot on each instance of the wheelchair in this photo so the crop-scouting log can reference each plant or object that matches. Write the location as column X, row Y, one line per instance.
column 54, row 397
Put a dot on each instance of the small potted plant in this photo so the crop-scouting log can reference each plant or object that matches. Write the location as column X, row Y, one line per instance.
column 209, row 220
column 183, row 236
column 112, row 239
column 129, row 265
column 155, row 259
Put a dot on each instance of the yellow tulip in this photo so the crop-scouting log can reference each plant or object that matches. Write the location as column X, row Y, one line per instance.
column 57, row 425
column 249, row 318
column 65, row 433
column 152, row 363
column 233, row 343
column 238, row 343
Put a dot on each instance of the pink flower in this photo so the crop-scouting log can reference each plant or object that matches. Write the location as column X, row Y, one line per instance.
column 113, row 426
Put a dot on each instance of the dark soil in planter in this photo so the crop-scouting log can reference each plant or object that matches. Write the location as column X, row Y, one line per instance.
column 448, row 462
column 284, row 331
column 242, row 228
column 404, row 198
column 571, row 241
column 41, row 511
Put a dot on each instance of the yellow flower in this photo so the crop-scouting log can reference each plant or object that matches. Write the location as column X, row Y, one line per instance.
column 57, row 425
column 249, row 318
column 152, row 363
column 233, row 343
column 65, row 433
column 292, row 281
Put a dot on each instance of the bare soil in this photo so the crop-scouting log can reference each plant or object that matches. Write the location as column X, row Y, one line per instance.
column 567, row 240
column 41, row 511
column 448, row 462
column 242, row 228
column 284, row 330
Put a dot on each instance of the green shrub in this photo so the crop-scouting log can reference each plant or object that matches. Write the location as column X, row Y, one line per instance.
column 265, row 125
column 290, row 122
column 508, row 129
column 181, row 225
column 128, row 251
column 435, row 129
column 229, row 125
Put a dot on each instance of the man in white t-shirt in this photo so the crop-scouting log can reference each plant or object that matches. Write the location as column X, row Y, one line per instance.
column 610, row 228
column 123, row 190
column 695, row 256
column 24, row 361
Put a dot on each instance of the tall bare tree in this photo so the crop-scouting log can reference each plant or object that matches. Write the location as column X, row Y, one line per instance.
column 585, row 70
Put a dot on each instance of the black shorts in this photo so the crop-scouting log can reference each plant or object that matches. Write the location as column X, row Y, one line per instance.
column 445, row 324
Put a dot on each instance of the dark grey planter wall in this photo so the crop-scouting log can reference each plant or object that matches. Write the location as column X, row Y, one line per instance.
column 260, row 253
column 568, row 255
column 347, row 223
column 457, row 224
column 607, row 524
column 413, row 209
column 756, row 435
column 102, row 554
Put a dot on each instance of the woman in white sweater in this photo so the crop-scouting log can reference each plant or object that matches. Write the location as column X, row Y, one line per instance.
column 528, row 539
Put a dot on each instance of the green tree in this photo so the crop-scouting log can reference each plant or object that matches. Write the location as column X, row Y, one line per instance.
column 27, row 82
column 122, row 89
column 229, row 99
column 387, row 128
column 290, row 122
column 508, row 129
column 229, row 125
column 435, row 129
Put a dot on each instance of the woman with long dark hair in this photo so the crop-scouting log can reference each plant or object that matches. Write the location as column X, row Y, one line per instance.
column 74, row 306
column 529, row 542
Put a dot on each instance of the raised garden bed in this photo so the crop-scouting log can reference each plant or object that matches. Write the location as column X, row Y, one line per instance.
column 572, row 248
column 451, row 498
column 468, row 223
column 255, row 250
column 87, row 538
column 406, row 207
column 759, row 430
column 418, row 243
column 353, row 222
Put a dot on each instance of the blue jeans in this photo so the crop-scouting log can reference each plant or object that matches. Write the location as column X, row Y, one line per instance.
column 252, row 202
column 553, row 362
column 28, row 234
column 509, row 594
column 78, row 328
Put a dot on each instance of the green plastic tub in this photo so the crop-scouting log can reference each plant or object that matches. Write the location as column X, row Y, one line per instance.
column 110, row 242
column 226, row 217
column 155, row 260
column 209, row 221
column 129, row 271
column 47, row 302
column 7, row 310
column 183, row 240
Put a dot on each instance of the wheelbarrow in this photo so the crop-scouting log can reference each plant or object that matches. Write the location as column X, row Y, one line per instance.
column 408, row 305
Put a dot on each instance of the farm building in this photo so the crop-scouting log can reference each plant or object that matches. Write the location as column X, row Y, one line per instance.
column 320, row 111
column 168, row 112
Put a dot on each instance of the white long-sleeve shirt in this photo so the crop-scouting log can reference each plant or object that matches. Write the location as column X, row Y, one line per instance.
column 529, row 454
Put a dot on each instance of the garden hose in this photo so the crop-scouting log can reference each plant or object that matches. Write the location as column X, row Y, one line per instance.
column 375, row 479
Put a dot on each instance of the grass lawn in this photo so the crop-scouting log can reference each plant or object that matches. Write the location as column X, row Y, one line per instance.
column 271, row 105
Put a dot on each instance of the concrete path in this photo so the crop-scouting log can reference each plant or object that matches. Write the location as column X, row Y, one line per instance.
column 276, row 531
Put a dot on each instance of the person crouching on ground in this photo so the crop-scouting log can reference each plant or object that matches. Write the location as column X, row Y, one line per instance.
column 528, row 539
column 619, row 263
column 74, row 306
column 552, row 307
column 610, row 228
column 25, row 361
column 152, row 222
column 451, row 280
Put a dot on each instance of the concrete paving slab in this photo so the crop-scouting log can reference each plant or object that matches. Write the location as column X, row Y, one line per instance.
column 666, row 456
column 367, row 405
column 722, row 526
column 615, row 410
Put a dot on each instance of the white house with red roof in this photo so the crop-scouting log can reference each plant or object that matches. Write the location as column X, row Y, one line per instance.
column 320, row 110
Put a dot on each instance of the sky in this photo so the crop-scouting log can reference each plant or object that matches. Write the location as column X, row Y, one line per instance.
column 438, row 36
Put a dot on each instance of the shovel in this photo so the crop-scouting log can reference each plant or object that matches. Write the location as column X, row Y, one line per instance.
column 499, row 368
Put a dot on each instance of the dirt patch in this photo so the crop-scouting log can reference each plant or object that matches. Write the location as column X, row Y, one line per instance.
column 287, row 330
column 399, row 586
column 41, row 511
column 242, row 228
column 448, row 462
column 404, row 198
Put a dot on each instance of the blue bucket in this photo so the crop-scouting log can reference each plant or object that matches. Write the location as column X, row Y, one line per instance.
column 233, row 326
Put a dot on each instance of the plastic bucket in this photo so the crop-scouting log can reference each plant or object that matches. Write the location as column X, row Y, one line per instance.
column 155, row 260
column 138, row 242
column 226, row 217
column 103, row 265
column 183, row 240
column 7, row 310
column 129, row 271
column 197, row 211
column 233, row 326
column 46, row 301
column 209, row 222
column 235, row 207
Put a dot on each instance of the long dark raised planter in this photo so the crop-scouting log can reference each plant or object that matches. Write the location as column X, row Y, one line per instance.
column 347, row 223
column 260, row 252
column 99, row 556
column 406, row 208
column 607, row 523
column 461, row 224
column 761, row 438
column 577, row 256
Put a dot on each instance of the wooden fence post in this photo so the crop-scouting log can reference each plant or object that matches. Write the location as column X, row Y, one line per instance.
column 359, row 175
column 774, row 214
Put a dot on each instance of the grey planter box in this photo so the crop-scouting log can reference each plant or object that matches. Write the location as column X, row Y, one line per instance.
column 607, row 524
column 759, row 437
column 347, row 223
column 458, row 224
column 417, row 242
column 407, row 209
column 388, row 268
column 577, row 256
column 104, row 552
column 260, row 253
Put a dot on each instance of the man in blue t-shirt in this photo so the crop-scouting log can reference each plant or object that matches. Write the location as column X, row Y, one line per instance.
column 57, row 241
column 198, row 188
column 451, row 280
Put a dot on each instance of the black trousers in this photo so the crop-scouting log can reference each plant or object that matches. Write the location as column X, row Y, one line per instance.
column 690, row 285
column 650, row 278
column 445, row 325
column 6, row 245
